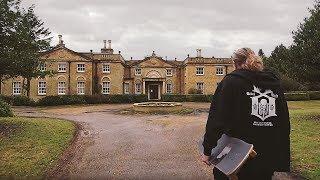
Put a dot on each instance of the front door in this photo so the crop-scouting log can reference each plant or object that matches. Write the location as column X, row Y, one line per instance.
column 153, row 91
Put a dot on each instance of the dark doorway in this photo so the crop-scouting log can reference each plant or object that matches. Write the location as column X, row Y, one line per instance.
column 153, row 91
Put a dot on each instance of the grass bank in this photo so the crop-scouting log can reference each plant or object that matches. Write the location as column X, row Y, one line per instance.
column 30, row 146
column 305, row 138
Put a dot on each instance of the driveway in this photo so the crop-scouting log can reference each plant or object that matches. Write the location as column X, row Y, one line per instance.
column 131, row 146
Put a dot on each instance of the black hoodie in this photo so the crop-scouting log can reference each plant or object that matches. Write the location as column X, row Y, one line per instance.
column 250, row 105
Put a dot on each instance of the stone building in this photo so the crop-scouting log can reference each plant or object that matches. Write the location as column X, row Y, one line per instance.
column 106, row 72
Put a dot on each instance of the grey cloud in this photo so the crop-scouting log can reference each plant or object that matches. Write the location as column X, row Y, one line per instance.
column 173, row 28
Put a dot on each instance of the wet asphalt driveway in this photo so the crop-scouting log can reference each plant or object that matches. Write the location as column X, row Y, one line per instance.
column 113, row 146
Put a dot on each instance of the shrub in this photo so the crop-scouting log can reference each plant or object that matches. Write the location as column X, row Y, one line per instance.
column 7, row 99
column 198, row 98
column 314, row 95
column 5, row 109
column 61, row 100
column 289, row 84
column 194, row 91
column 187, row 98
column 294, row 96
column 22, row 101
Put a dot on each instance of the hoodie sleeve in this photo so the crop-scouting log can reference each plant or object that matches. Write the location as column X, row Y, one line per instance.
column 284, row 149
column 219, row 115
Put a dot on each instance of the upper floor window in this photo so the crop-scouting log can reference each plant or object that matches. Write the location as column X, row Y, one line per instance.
column 81, row 67
column 200, row 87
column 126, row 88
column 106, row 87
column 62, row 67
column 16, row 88
column 42, row 67
column 42, row 88
column 61, row 88
column 106, row 68
column 80, row 87
column 138, row 71
column 169, row 88
column 199, row 70
column 219, row 71
column 169, row 72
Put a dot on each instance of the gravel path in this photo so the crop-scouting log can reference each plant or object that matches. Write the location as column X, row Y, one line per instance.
column 131, row 147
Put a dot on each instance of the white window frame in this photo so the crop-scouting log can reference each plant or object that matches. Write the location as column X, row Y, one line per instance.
column 42, row 87
column 81, row 69
column 198, row 87
column 16, row 90
column 126, row 87
column 198, row 73
column 219, row 72
column 138, row 90
column 61, row 89
column 42, row 66
column 106, row 68
column 81, row 89
column 169, row 72
column 106, row 89
column 169, row 88
column 62, row 67
column 138, row 73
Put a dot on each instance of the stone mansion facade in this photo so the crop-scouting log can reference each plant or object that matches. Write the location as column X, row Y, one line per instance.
column 106, row 72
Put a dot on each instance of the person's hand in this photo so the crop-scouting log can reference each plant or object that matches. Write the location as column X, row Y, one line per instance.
column 205, row 159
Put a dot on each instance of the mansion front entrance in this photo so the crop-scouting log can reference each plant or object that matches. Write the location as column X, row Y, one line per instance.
column 154, row 88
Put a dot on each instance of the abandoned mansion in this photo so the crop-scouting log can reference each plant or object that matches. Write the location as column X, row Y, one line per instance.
column 106, row 72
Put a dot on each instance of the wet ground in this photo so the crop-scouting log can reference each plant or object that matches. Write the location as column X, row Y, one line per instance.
column 135, row 147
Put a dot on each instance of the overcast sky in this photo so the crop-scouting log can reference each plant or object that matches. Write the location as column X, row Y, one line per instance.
column 173, row 28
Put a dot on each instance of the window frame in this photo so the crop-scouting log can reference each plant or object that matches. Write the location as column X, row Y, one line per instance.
column 140, row 88
column 65, row 67
column 43, row 90
column 198, row 74
column 171, row 90
column 135, row 71
column 197, row 87
column 218, row 74
column 63, row 92
column 16, row 91
column 83, row 89
column 42, row 66
column 84, row 67
column 126, row 90
column 103, row 68
column 169, row 74
column 106, row 88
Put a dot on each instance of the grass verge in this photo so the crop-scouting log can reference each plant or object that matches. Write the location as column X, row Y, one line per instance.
column 305, row 138
column 30, row 146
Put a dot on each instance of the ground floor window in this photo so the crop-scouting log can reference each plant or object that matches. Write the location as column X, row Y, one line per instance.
column 169, row 88
column 106, row 87
column 126, row 88
column 42, row 88
column 16, row 88
column 61, row 88
column 200, row 87
column 80, row 87
column 138, row 88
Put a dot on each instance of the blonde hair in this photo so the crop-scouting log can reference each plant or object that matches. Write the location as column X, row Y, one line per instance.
column 245, row 58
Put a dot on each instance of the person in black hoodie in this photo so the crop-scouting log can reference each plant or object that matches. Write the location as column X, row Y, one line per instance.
column 249, row 104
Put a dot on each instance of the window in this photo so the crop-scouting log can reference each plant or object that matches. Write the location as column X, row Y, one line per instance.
column 80, row 67
column 169, row 72
column 138, row 88
column 80, row 87
column 169, row 88
column 126, row 88
column 106, row 68
column 200, row 87
column 42, row 88
column 106, row 87
column 62, row 67
column 200, row 71
column 42, row 67
column 219, row 71
column 61, row 88
column 16, row 88
column 138, row 71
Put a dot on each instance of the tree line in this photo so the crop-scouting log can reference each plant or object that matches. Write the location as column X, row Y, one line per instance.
column 298, row 65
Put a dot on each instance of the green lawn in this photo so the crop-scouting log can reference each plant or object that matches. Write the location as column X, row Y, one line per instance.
column 305, row 138
column 29, row 146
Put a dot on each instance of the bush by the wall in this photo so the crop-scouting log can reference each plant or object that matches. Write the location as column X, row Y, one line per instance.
column 61, row 100
column 314, row 95
column 18, row 100
column 297, row 96
column 199, row 98
column 187, row 98
column 5, row 109
column 289, row 84
column 174, row 98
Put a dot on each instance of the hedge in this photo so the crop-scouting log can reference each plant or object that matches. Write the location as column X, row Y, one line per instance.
column 297, row 96
column 186, row 98
column 18, row 100
column 90, row 99
column 314, row 95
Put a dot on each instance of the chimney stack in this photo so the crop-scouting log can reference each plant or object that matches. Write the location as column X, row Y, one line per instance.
column 60, row 40
column 106, row 50
column 198, row 52
column 109, row 42
column 104, row 44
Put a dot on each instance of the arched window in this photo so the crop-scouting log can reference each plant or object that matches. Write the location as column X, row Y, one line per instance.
column 138, row 87
column 169, row 87
column 106, row 86
column 81, row 86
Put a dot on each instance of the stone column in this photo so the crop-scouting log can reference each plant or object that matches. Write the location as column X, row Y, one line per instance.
column 163, row 87
column 144, row 87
